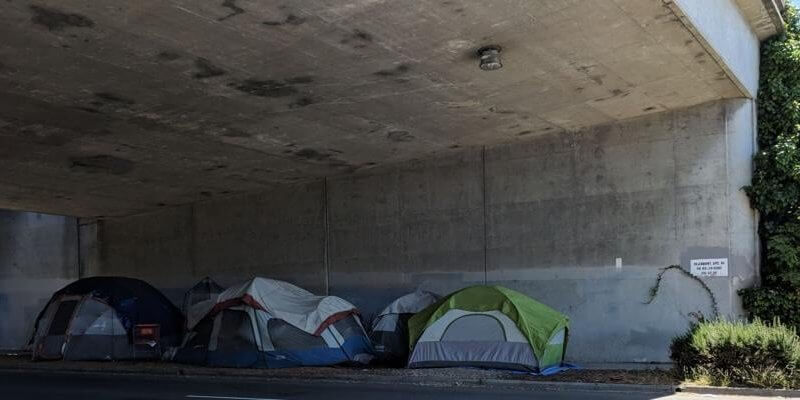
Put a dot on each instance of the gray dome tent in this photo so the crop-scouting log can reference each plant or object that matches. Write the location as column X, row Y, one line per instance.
column 199, row 299
column 389, row 333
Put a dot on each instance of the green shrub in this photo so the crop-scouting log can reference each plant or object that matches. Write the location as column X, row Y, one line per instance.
column 723, row 353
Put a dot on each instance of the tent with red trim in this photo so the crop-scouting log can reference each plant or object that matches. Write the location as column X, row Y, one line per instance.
column 266, row 323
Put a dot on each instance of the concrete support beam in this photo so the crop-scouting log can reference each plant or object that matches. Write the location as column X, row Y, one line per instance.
column 727, row 36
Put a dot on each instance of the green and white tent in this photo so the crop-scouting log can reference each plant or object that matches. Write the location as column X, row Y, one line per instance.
column 491, row 327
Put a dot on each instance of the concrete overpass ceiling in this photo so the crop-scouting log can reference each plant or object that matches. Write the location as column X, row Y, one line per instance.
column 120, row 107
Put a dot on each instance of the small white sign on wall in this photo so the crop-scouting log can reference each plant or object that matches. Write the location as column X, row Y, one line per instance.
column 710, row 267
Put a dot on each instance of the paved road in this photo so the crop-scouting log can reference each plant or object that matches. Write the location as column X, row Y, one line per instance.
column 48, row 386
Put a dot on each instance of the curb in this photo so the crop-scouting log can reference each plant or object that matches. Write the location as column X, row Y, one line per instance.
column 373, row 379
column 738, row 391
column 584, row 387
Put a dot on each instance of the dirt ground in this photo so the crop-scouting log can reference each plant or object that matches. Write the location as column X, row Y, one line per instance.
column 645, row 377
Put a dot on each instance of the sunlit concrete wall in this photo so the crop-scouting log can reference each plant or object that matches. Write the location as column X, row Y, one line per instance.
column 582, row 221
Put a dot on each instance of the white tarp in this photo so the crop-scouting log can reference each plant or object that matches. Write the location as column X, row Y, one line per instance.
column 290, row 303
column 411, row 303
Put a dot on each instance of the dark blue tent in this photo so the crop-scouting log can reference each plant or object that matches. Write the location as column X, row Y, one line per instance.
column 98, row 318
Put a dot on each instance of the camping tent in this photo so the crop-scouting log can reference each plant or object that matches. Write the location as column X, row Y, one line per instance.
column 389, row 332
column 199, row 299
column 106, row 318
column 488, row 326
column 265, row 323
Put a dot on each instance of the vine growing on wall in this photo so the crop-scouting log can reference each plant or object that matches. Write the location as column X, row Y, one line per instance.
column 775, row 190
column 657, row 286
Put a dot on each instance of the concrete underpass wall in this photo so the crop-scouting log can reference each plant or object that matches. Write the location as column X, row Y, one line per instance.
column 276, row 234
column 549, row 217
column 38, row 255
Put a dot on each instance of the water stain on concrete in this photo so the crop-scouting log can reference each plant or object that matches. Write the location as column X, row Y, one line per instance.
column 362, row 35
column 290, row 19
column 499, row 111
column 112, row 98
column 358, row 38
column 88, row 109
column 56, row 20
column 618, row 92
column 168, row 56
column 394, row 72
column 400, row 136
column 101, row 163
column 312, row 155
column 54, row 140
column 264, row 88
column 300, row 79
column 302, row 102
column 316, row 156
column 235, row 133
column 235, row 9
column 215, row 167
column 206, row 69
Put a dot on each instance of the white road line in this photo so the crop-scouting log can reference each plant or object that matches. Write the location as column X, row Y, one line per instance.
column 197, row 396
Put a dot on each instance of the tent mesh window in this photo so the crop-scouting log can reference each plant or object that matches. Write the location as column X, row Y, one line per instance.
column 348, row 327
column 62, row 317
column 476, row 327
column 285, row 336
column 93, row 318
column 235, row 332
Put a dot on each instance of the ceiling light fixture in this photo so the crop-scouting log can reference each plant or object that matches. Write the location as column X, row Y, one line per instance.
column 490, row 57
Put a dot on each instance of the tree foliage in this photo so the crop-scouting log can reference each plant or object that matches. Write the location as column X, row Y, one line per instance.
column 775, row 191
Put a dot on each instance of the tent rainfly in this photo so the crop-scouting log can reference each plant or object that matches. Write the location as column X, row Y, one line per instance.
column 265, row 323
column 491, row 327
column 389, row 333
column 106, row 318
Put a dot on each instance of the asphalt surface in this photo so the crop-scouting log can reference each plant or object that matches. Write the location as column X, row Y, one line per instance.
column 49, row 385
